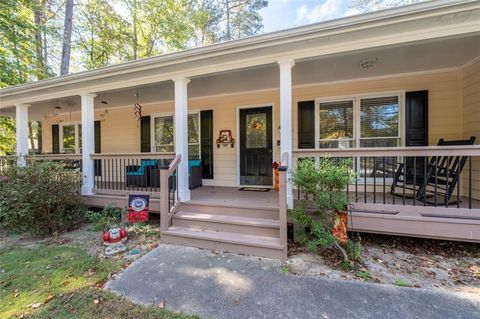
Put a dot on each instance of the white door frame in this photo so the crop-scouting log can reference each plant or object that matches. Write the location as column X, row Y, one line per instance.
column 237, row 132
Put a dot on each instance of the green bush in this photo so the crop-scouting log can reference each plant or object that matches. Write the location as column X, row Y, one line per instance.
column 327, row 180
column 42, row 198
column 105, row 219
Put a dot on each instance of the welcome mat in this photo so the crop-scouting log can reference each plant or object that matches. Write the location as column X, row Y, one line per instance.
column 254, row 189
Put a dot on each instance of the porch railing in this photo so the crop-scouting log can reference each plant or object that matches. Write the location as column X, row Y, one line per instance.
column 435, row 187
column 169, row 199
column 121, row 174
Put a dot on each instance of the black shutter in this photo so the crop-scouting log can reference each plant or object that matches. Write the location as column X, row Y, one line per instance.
column 416, row 131
column 206, row 143
column 145, row 143
column 306, row 124
column 98, row 148
column 55, row 139
column 98, row 137
column 416, row 118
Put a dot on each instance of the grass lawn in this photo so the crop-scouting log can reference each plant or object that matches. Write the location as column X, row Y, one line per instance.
column 63, row 282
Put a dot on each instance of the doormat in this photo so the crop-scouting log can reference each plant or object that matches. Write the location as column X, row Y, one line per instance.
column 254, row 189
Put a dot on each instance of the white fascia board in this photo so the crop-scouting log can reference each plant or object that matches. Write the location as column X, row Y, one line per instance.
column 324, row 29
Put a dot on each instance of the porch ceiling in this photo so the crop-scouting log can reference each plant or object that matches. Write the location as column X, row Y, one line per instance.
column 394, row 60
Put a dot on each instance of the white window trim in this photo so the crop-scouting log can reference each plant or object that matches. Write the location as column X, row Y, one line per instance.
column 78, row 147
column 356, row 113
column 152, row 129
column 356, row 124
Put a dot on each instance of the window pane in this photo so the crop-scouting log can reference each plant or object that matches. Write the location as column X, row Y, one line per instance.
column 164, row 148
column 256, row 130
column 69, row 138
column 193, row 129
column 379, row 117
column 380, row 142
column 337, row 144
column 336, row 120
column 194, row 151
column 164, row 133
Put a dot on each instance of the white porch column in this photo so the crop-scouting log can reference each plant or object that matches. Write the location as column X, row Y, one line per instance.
column 21, row 124
column 181, row 136
column 88, row 142
column 286, row 119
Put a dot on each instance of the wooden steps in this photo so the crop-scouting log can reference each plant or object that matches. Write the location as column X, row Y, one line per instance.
column 245, row 230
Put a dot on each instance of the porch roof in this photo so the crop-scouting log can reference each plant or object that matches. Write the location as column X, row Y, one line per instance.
column 423, row 21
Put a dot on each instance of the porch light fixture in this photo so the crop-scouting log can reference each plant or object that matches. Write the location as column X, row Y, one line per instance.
column 368, row 63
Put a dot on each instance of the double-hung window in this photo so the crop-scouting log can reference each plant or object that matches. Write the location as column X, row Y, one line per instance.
column 71, row 138
column 361, row 121
column 164, row 134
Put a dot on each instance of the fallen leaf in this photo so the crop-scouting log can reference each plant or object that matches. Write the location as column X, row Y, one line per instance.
column 49, row 298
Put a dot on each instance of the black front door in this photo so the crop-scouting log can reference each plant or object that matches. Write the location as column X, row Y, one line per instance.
column 256, row 146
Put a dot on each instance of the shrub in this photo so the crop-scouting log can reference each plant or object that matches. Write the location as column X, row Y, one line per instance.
column 105, row 219
column 42, row 198
column 326, row 180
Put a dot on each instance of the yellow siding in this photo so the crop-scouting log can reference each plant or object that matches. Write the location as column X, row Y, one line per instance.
column 120, row 132
column 471, row 118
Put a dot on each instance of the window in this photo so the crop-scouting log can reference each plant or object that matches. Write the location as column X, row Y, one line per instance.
column 164, row 134
column 361, row 121
column 336, row 124
column 71, row 138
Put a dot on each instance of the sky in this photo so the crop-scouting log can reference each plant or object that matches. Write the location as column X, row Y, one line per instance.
column 282, row 14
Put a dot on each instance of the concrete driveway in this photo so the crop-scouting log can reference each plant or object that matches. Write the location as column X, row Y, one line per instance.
column 195, row 281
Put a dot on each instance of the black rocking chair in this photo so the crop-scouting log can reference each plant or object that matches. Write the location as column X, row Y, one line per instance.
column 434, row 183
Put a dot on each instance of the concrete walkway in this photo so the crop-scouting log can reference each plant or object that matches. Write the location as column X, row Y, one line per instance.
column 195, row 281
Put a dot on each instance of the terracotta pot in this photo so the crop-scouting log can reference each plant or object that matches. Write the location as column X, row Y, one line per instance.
column 340, row 222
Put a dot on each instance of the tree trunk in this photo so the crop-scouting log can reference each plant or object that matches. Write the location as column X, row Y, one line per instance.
column 228, row 20
column 38, row 9
column 67, row 38
column 30, row 135
column 135, row 37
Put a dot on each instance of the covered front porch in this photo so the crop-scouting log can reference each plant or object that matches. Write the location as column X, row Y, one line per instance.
column 191, row 133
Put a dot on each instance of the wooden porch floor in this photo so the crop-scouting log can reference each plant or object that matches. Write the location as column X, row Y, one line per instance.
column 215, row 195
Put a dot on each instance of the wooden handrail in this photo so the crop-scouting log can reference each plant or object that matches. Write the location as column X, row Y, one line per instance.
column 174, row 164
column 468, row 150
column 163, row 155
column 55, row 157
column 165, row 212
column 282, row 201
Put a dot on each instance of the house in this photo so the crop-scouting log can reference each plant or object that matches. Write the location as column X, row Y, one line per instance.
column 382, row 88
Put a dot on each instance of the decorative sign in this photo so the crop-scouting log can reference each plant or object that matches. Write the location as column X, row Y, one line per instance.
column 225, row 138
column 138, row 208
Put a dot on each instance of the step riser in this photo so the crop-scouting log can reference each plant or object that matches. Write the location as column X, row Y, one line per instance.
column 232, row 211
column 223, row 227
column 221, row 246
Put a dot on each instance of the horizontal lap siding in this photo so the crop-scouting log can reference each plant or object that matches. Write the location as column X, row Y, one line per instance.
column 471, row 119
column 120, row 130
column 444, row 90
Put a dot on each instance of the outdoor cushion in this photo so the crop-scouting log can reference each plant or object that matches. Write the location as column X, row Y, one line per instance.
column 192, row 163
column 141, row 168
